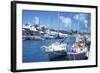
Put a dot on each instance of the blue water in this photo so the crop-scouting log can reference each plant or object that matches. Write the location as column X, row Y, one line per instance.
column 33, row 53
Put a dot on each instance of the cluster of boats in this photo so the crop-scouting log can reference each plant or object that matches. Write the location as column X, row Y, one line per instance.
column 76, row 51
column 44, row 36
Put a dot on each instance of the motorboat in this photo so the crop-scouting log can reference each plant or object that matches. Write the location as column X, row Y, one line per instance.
column 55, row 49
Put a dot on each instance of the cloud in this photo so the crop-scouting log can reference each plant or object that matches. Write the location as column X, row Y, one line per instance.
column 65, row 20
column 80, row 17
column 86, row 23
column 36, row 20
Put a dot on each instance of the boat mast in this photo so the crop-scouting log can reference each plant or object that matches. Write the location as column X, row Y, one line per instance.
column 78, row 24
column 58, row 21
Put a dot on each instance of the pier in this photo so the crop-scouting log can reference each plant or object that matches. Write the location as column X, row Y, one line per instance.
column 29, row 37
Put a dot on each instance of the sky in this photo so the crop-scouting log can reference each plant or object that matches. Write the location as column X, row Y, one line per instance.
column 58, row 20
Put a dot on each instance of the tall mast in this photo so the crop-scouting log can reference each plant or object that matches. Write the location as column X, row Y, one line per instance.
column 78, row 24
column 58, row 21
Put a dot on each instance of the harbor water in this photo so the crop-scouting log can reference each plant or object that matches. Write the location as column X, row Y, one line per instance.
column 32, row 51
